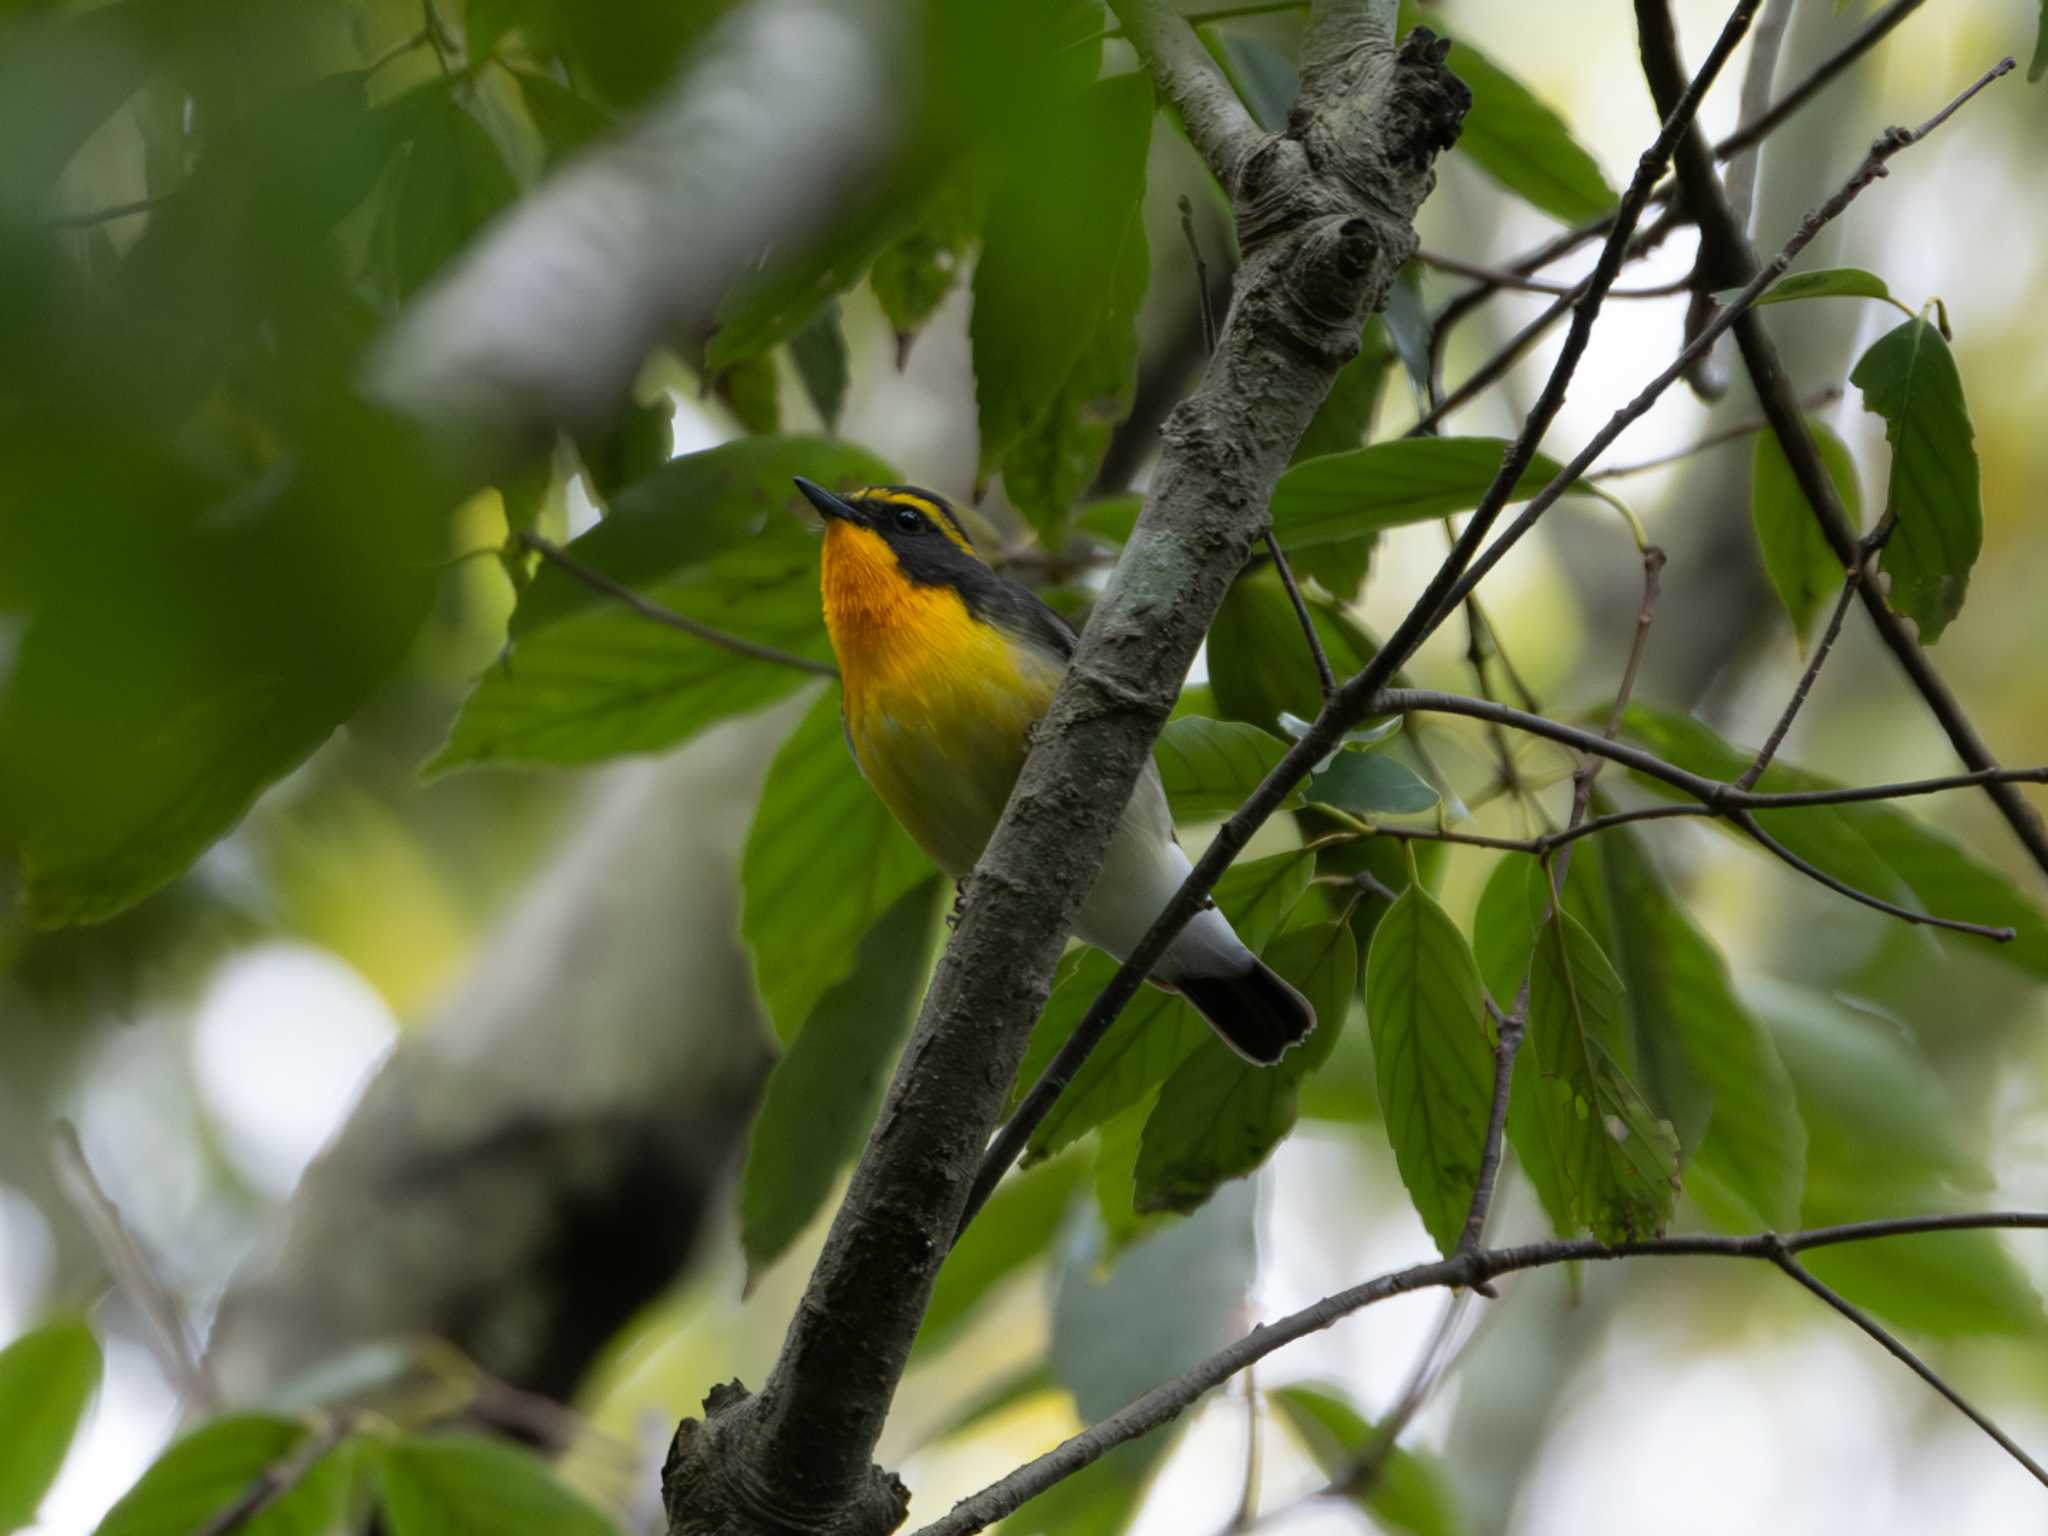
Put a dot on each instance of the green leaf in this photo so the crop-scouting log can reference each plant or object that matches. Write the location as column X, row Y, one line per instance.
column 822, row 1095
column 1353, row 495
column 1827, row 283
column 772, row 305
column 1342, row 423
column 1263, row 77
column 210, row 1470
column 565, row 119
column 824, row 860
column 1599, row 1157
column 454, row 179
column 819, row 351
column 1876, row 846
column 1156, row 1031
column 1413, row 1493
column 633, row 447
column 464, row 1485
column 752, row 390
column 1885, row 1139
column 2038, row 66
column 1259, row 665
column 1908, row 376
column 912, row 277
column 1512, row 907
column 1016, row 1226
column 1100, row 1500
column 1210, row 767
column 46, row 1379
column 1218, row 1117
column 1433, row 1058
column 1050, row 251
column 1370, row 784
column 1047, row 469
column 1521, row 143
column 1797, row 556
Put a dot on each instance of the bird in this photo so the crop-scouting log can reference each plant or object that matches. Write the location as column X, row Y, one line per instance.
column 945, row 666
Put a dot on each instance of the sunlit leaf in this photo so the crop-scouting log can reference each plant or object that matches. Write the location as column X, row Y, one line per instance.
column 824, row 860
column 1413, row 1493
column 1353, row 495
column 1797, row 556
column 1597, row 1154
column 822, row 1095
column 1826, row 283
column 1218, row 1116
column 1909, row 377
column 464, row 1485
column 1433, row 1057
column 1210, row 767
column 46, row 1380
column 209, row 1471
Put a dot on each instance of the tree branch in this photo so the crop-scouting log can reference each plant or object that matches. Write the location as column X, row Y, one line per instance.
column 1167, row 1401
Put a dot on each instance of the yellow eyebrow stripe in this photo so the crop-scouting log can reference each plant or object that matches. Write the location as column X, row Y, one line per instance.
column 941, row 518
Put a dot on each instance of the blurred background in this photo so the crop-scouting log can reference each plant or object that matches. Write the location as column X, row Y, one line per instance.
column 473, row 1056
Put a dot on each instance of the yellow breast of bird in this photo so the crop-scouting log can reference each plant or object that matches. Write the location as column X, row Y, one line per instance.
column 937, row 704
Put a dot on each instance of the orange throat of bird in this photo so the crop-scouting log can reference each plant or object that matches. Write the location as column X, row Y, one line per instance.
column 885, row 628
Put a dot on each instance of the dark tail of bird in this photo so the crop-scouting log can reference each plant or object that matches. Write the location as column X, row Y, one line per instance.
column 1258, row 1015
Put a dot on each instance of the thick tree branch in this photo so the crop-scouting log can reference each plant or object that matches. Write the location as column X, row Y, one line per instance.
column 1169, row 1400
column 1324, row 213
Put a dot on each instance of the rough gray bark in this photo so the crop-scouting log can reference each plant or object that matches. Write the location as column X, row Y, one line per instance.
column 539, row 1158
column 1324, row 213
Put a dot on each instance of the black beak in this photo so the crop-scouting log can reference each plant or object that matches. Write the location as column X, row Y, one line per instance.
column 828, row 505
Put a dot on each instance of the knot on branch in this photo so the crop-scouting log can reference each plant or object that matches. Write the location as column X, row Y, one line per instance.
column 1270, row 182
column 709, row 1489
column 1428, row 104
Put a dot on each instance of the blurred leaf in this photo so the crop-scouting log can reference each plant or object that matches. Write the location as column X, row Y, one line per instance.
column 1055, row 237
column 1826, row 283
column 752, row 391
column 824, row 860
column 1209, row 767
column 1873, row 845
column 819, row 351
column 1520, row 142
column 1263, row 77
column 912, row 277
column 452, row 180
column 1259, row 665
column 1099, row 1500
column 464, row 1485
column 1413, row 1493
column 1370, row 784
column 1797, row 556
column 822, row 1095
column 208, row 1471
column 565, row 119
column 1156, row 1031
column 1046, row 470
column 1599, row 1157
column 46, row 1380
column 1908, row 376
column 1112, row 518
column 1434, row 1057
column 1219, row 1117
column 629, row 450
column 2038, row 66
column 1885, row 1139
column 1353, row 495
column 1410, row 329
column 1016, row 1227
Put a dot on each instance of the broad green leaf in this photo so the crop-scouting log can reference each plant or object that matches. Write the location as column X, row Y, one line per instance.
column 1017, row 1226
column 1342, row 423
column 1512, row 908
column 1156, row 1031
column 1520, row 142
column 207, row 1472
column 1209, row 767
column 1370, row 784
column 1047, row 469
column 819, row 351
column 824, row 860
column 912, row 277
column 565, row 119
column 1797, row 556
column 1414, row 1492
column 1343, row 496
column 1050, row 251
column 607, row 681
column 453, row 180
column 1908, row 376
column 464, row 1485
column 1703, row 1060
column 751, row 388
column 1433, row 1058
column 1218, row 1117
column 1876, row 846
column 1885, row 1139
column 1600, row 1158
column 1259, row 663
column 822, row 1095
column 46, row 1380
column 1827, row 283
column 633, row 448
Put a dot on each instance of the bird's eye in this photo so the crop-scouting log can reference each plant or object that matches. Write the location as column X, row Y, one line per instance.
column 908, row 520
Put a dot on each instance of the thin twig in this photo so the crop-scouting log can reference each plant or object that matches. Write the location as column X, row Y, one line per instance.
column 1170, row 1399
column 1824, row 72
column 94, row 216
column 1187, row 229
column 1772, row 742
column 1819, row 400
column 132, row 1272
column 1324, row 675
column 1501, row 277
column 597, row 581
